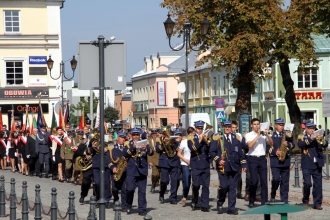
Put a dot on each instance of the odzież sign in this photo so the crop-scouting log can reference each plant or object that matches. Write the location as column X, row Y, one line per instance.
column 23, row 93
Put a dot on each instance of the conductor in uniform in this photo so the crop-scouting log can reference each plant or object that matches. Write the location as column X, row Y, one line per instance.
column 229, row 159
column 312, row 162
column 280, row 168
column 200, row 166
column 43, row 144
column 137, row 172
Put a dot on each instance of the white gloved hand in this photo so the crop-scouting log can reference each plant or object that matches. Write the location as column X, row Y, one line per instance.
column 54, row 158
column 28, row 156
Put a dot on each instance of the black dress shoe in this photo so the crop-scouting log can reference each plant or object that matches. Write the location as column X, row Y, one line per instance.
column 46, row 176
column 173, row 202
column 239, row 196
column 142, row 213
column 193, row 206
column 251, row 204
column 152, row 190
column 81, row 200
column 232, row 212
column 161, row 199
column 272, row 200
column 205, row 209
column 40, row 175
column 129, row 210
column 108, row 205
column 53, row 177
column 220, row 209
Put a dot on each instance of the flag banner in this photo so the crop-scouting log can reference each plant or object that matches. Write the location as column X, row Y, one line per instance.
column 39, row 119
column 67, row 113
column 97, row 122
column 82, row 119
column 54, row 121
column 12, row 121
column 61, row 118
column 1, row 118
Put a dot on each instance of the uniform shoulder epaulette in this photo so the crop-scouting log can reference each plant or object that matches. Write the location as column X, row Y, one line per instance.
column 158, row 140
column 110, row 147
column 126, row 144
column 301, row 137
column 244, row 135
column 238, row 137
column 190, row 138
column 216, row 137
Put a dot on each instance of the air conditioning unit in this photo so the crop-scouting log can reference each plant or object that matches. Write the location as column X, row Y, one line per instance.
column 175, row 102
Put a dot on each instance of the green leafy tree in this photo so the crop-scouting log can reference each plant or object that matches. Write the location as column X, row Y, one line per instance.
column 110, row 114
column 246, row 34
column 73, row 108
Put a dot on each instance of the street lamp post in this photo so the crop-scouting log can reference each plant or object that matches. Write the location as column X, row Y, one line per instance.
column 50, row 64
column 169, row 26
column 265, row 71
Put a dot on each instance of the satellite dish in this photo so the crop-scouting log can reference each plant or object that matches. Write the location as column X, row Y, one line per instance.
column 57, row 107
column 181, row 87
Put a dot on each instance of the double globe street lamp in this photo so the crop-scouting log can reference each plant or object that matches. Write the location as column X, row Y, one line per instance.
column 50, row 64
column 169, row 26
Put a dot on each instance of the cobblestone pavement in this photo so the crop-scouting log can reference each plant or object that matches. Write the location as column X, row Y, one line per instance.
column 155, row 209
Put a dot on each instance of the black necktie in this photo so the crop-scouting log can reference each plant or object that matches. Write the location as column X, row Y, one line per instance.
column 228, row 138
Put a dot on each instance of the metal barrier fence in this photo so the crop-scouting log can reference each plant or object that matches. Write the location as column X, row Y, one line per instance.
column 38, row 208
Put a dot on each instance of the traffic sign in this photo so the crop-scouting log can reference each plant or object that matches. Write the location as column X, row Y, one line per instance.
column 219, row 102
column 127, row 120
column 220, row 114
column 326, row 104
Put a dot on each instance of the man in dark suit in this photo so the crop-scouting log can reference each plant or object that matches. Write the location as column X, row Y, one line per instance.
column 280, row 168
column 229, row 159
column 312, row 162
column 200, row 166
column 34, row 166
column 43, row 144
column 137, row 171
column 169, row 164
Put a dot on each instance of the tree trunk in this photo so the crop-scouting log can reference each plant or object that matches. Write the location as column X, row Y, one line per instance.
column 290, row 97
column 245, row 87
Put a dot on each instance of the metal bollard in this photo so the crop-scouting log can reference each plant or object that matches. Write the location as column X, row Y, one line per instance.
column 2, row 197
column 92, row 213
column 147, row 217
column 37, row 204
column 12, row 206
column 296, row 173
column 53, row 205
column 25, row 202
column 117, row 210
column 71, row 210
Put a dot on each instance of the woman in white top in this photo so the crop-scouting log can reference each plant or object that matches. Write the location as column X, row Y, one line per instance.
column 184, row 155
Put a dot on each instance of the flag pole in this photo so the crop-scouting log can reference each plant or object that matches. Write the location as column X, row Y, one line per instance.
column 26, row 115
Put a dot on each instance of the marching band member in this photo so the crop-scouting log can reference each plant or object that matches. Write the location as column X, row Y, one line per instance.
column 87, row 174
column 34, row 166
column 184, row 155
column 42, row 148
column 3, row 146
column 137, row 172
column 312, row 162
column 93, row 150
column 169, row 166
column 200, row 167
column 57, row 142
column 280, row 166
column 257, row 162
column 153, row 160
column 116, row 154
column 229, row 159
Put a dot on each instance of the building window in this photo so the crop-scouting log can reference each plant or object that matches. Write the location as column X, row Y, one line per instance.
column 197, row 89
column 214, row 86
column 269, row 85
column 206, row 87
column 190, row 89
column 12, row 22
column 308, row 79
column 14, row 73
column 163, row 122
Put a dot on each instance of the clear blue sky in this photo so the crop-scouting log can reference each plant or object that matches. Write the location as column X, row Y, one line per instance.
column 138, row 22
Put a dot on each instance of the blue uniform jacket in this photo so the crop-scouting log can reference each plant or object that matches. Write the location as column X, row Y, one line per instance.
column 234, row 157
column 277, row 139
column 199, row 158
column 96, row 157
column 136, row 165
column 115, row 154
column 311, row 149
column 164, row 161
column 43, row 142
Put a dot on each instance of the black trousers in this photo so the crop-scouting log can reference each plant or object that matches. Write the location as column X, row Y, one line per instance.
column 34, row 165
column 87, row 181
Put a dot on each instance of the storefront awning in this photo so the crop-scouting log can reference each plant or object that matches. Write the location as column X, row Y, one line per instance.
column 229, row 109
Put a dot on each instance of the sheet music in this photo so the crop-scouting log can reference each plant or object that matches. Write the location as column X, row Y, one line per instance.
column 317, row 132
column 140, row 143
column 288, row 127
column 264, row 126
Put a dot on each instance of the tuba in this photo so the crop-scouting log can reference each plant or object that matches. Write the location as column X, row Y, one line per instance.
column 167, row 143
column 82, row 163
